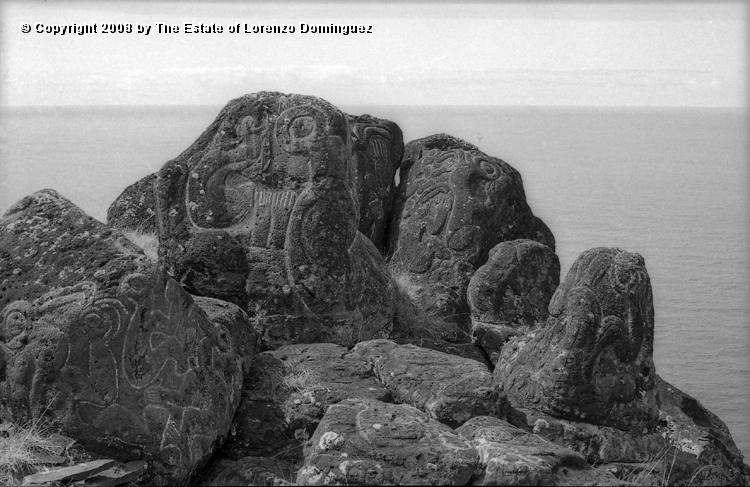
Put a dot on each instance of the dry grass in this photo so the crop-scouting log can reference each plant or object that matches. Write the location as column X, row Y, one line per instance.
column 25, row 450
column 148, row 242
column 412, row 320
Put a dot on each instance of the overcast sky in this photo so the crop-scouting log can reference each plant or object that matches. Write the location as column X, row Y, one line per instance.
column 492, row 53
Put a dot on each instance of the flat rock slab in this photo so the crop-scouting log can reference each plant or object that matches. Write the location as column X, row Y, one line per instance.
column 118, row 475
column 70, row 474
column 512, row 456
column 449, row 388
column 366, row 442
column 106, row 345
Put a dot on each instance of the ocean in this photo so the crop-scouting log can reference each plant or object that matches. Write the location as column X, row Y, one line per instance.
column 669, row 183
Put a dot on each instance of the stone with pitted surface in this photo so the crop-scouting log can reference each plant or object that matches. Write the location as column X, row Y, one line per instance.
column 454, row 204
column 135, row 208
column 367, row 442
column 449, row 388
column 378, row 146
column 511, row 292
column 99, row 341
column 593, row 359
column 262, row 211
column 512, row 456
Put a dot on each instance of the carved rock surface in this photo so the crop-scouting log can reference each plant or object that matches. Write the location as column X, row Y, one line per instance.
column 288, row 391
column 135, row 208
column 378, row 147
column 367, row 442
column 454, row 204
column 511, row 290
column 512, row 456
column 593, row 360
column 107, row 347
column 449, row 388
column 262, row 211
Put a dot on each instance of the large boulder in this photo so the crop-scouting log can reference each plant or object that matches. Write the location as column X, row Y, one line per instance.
column 101, row 343
column 367, row 442
column 378, row 146
column 449, row 388
column 511, row 292
column 593, row 360
column 454, row 204
column 135, row 208
column 262, row 211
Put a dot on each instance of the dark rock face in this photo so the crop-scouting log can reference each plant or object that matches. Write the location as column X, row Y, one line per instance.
column 113, row 352
column 252, row 471
column 453, row 205
column 378, row 147
column 512, row 290
column 593, row 360
column 135, row 208
column 262, row 211
column 449, row 388
column 287, row 393
column 367, row 442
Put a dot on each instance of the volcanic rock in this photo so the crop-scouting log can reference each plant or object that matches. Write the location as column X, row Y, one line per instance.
column 593, row 360
column 511, row 292
column 135, row 208
column 378, row 146
column 111, row 351
column 454, row 204
column 367, row 442
column 262, row 211
column 449, row 388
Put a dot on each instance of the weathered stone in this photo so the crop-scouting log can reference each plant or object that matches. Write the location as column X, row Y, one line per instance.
column 135, row 208
column 262, row 211
column 76, row 472
column 512, row 290
column 378, row 146
column 454, row 204
column 593, row 360
column 512, row 456
column 109, row 349
column 232, row 323
column 119, row 474
column 465, row 350
column 599, row 444
column 287, row 393
column 696, row 431
column 366, row 442
column 252, row 471
column 449, row 388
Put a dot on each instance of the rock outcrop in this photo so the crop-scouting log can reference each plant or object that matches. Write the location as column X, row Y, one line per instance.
column 511, row 292
column 262, row 211
column 367, row 442
column 106, row 347
column 268, row 343
column 593, row 360
column 454, row 204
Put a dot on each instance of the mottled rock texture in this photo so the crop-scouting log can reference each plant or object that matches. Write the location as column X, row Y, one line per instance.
column 593, row 360
column 454, row 204
column 135, row 208
column 449, row 388
column 512, row 456
column 696, row 431
column 511, row 292
column 378, row 147
column 104, row 345
column 262, row 211
column 288, row 391
column 251, row 471
column 367, row 442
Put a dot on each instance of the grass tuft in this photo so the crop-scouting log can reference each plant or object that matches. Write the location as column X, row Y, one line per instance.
column 25, row 450
column 148, row 242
